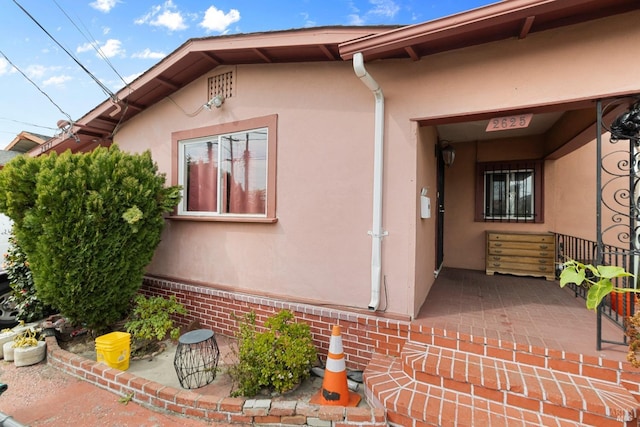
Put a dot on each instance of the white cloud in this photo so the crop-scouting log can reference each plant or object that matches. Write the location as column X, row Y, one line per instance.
column 356, row 20
column 4, row 66
column 106, row 30
column 307, row 22
column 173, row 21
column 56, row 80
column 111, row 48
column 148, row 54
column 216, row 20
column 386, row 8
column 166, row 15
column 380, row 9
column 36, row 71
column 84, row 48
column 104, row 5
column 131, row 77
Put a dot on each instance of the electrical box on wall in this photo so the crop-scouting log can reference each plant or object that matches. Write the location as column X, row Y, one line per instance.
column 425, row 204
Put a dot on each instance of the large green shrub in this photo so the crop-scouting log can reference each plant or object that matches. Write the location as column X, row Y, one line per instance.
column 89, row 224
column 278, row 358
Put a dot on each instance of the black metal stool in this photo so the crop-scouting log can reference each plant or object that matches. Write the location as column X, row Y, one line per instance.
column 196, row 358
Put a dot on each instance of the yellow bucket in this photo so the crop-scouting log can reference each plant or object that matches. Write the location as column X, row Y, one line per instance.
column 114, row 349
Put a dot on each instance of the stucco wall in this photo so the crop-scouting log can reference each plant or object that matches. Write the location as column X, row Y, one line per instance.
column 319, row 249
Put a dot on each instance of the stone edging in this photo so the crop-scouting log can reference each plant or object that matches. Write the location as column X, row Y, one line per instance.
column 232, row 410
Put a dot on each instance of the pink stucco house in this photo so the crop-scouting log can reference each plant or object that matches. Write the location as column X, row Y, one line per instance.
column 314, row 176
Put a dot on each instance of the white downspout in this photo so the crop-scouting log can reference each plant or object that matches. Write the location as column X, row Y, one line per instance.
column 377, row 233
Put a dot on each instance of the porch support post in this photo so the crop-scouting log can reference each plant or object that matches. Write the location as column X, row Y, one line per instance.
column 599, row 244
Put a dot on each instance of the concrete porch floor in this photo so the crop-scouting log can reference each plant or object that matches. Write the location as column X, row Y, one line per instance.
column 518, row 309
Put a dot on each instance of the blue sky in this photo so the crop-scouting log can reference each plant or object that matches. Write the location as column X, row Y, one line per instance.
column 133, row 35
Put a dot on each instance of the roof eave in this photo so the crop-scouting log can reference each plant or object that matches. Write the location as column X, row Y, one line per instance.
column 519, row 13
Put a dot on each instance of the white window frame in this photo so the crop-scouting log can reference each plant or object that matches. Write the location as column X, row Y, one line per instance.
column 269, row 122
column 219, row 141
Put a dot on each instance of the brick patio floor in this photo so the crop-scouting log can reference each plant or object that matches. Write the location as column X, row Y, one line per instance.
column 517, row 309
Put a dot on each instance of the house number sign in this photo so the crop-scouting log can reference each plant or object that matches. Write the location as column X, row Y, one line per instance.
column 509, row 122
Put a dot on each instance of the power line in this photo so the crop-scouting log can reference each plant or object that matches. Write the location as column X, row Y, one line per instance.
column 27, row 123
column 92, row 41
column 104, row 88
column 36, row 86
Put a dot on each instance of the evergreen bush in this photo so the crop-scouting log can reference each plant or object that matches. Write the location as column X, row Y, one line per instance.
column 278, row 358
column 89, row 224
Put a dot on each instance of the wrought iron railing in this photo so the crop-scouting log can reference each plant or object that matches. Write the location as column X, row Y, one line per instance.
column 615, row 307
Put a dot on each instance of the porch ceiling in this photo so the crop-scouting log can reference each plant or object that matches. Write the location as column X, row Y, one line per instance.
column 564, row 127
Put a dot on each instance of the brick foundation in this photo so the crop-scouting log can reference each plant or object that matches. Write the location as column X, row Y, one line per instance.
column 218, row 310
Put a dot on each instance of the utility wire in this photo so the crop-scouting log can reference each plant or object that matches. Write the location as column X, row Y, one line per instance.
column 36, row 86
column 92, row 41
column 105, row 89
column 27, row 123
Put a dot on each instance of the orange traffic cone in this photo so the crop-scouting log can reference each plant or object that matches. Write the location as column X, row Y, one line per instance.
column 335, row 390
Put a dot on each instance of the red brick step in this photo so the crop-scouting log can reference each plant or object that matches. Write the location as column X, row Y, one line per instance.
column 439, row 386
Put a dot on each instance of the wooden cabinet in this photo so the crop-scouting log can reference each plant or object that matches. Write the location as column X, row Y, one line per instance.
column 522, row 254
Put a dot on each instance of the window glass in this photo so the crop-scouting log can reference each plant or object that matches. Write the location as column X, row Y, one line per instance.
column 225, row 174
column 509, row 194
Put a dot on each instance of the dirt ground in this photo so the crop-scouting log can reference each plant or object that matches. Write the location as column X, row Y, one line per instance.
column 159, row 368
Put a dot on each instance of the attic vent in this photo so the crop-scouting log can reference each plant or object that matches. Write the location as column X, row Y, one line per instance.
column 222, row 84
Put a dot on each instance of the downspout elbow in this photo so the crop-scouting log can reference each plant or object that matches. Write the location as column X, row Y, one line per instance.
column 365, row 77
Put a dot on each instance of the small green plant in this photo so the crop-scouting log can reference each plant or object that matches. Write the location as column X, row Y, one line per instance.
column 151, row 318
column 598, row 280
column 278, row 358
column 126, row 398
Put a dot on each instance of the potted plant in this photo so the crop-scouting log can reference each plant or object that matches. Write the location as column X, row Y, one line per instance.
column 597, row 279
column 599, row 282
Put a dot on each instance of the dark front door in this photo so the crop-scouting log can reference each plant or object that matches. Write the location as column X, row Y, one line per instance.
column 440, row 212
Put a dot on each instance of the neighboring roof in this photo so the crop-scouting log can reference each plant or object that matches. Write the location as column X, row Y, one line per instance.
column 498, row 21
column 502, row 20
column 5, row 156
column 26, row 141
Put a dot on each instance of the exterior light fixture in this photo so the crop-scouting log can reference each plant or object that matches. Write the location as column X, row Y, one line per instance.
column 448, row 154
column 216, row 101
